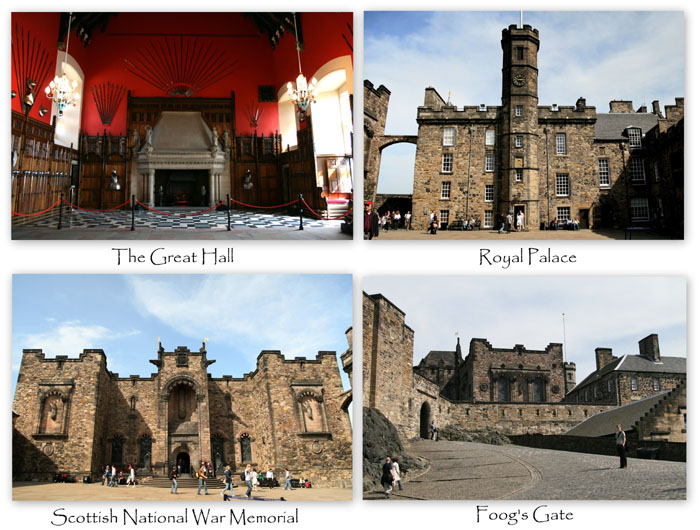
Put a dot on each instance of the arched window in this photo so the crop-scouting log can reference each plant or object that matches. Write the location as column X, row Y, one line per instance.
column 117, row 456
column 503, row 394
column 539, row 391
column 246, row 452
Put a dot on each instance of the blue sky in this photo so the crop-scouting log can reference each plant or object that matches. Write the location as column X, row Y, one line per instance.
column 601, row 56
column 125, row 314
column 601, row 311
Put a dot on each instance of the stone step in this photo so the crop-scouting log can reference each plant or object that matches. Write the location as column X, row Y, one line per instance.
column 184, row 482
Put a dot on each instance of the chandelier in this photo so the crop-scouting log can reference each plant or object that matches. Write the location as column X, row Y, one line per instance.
column 61, row 89
column 303, row 93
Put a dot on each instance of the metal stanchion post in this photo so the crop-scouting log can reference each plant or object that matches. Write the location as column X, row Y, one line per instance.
column 60, row 214
column 228, row 211
column 301, row 212
column 133, row 207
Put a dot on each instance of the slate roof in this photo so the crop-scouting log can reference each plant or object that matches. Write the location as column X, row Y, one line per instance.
column 605, row 423
column 611, row 126
column 435, row 356
column 637, row 363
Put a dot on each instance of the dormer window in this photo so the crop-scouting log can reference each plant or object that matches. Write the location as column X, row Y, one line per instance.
column 634, row 135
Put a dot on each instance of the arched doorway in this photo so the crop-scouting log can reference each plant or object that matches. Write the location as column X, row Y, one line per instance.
column 246, row 451
column 425, row 421
column 182, row 460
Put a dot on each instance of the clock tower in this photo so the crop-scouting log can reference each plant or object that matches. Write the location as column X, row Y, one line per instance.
column 519, row 167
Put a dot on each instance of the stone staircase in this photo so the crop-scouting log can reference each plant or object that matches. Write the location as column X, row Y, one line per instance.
column 663, row 420
column 213, row 484
column 337, row 207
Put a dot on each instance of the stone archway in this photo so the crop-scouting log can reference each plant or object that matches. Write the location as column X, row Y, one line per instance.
column 425, row 417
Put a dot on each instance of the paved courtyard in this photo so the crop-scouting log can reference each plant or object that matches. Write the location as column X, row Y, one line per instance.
column 535, row 235
column 466, row 470
column 33, row 491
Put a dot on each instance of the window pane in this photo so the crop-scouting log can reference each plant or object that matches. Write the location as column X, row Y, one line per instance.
column 561, row 143
column 445, row 191
column 489, row 163
column 635, row 136
column 604, row 172
column 489, row 193
column 490, row 137
column 448, row 136
column 562, row 185
column 637, row 170
column 563, row 214
column 447, row 163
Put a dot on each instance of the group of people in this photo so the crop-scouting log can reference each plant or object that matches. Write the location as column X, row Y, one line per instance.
column 112, row 476
column 504, row 223
column 391, row 475
column 373, row 222
column 394, row 220
column 569, row 224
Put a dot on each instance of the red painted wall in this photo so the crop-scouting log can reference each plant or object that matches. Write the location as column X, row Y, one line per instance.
column 43, row 27
column 323, row 41
column 257, row 63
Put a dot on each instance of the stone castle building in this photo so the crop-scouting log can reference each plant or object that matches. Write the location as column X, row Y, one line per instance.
column 72, row 415
column 617, row 169
column 511, row 390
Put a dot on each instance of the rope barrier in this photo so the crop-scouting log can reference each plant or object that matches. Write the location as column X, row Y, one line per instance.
column 96, row 211
column 181, row 215
column 38, row 213
column 264, row 207
column 325, row 218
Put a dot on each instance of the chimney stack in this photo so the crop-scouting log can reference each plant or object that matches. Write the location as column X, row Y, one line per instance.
column 649, row 348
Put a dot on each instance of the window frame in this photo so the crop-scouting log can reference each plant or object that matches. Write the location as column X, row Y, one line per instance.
column 445, row 139
column 490, row 137
column 634, row 383
column 446, row 186
column 636, row 168
column 560, row 211
column 490, row 162
column 447, row 163
column 560, row 143
column 489, row 191
column 565, row 183
column 519, row 141
column 607, row 173
column 634, row 137
column 641, row 206
column 519, row 110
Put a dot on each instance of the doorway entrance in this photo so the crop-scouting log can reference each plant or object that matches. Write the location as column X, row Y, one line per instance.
column 583, row 218
column 183, row 462
column 181, row 187
column 425, row 421
column 516, row 210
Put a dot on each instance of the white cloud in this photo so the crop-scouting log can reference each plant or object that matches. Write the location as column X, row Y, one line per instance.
column 270, row 311
column 70, row 338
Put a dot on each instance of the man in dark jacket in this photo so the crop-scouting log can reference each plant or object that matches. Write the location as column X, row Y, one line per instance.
column 371, row 221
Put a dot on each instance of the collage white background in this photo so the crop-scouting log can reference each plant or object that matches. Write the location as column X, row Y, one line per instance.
column 363, row 259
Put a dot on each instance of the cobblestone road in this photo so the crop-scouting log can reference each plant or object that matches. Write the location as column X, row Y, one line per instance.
column 464, row 470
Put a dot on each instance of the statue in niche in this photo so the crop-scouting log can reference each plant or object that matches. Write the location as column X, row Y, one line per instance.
column 53, row 414
column 311, row 410
column 224, row 139
column 136, row 139
column 214, row 140
column 148, row 143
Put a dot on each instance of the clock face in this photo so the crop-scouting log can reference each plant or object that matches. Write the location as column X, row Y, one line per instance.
column 519, row 79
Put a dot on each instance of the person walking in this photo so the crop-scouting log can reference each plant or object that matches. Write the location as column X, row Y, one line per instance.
column 621, row 445
column 132, row 477
column 228, row 481
column 173, row 477
column 248, row 477
column 202, row 477
column 396, row 471
column 114, row 480
column 105, row 477
column 288, row 480
column 509, row 222
column 387, row 477
column 407, row 220
column 433, row 431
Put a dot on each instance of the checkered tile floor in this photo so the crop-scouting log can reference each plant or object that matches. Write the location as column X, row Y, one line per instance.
column 121, row 220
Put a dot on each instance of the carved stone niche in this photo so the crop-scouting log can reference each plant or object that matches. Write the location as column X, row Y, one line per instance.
column 54, row 409
column 311, row 411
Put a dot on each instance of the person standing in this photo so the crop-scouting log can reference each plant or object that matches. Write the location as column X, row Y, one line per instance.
column 387, row 477
column 105, row 477
column 396, row 470
column 270, row 476
column 520, row 221
column 288, row 480
column 228, row 481
column 132, row 477
column 509, row 222
column 248, row 477
column 114, row 478
column 202, row 476
column 621, row 445
column 371, row 222
column 173, row 477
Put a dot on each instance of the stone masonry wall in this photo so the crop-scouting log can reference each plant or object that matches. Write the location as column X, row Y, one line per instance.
column 63, row 450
